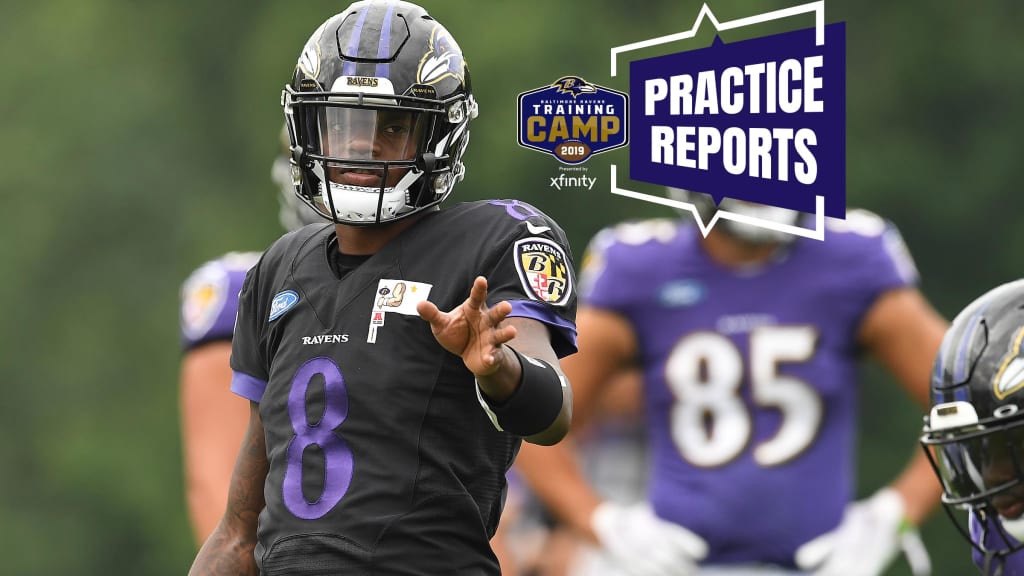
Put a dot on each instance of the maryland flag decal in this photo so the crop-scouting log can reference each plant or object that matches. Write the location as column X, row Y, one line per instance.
column 543, row 270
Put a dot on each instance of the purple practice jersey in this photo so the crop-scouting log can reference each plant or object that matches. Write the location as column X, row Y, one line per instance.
column 993, row 541
column 209, row 299
column 750, row 374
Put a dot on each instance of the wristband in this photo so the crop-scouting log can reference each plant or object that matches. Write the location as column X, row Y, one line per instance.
column 534, row 404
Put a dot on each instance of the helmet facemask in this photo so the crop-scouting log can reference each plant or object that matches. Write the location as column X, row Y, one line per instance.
column 368, row 163
column 368, row 160
column 981, row 467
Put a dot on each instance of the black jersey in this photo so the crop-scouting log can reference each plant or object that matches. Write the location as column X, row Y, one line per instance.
column 382, row 460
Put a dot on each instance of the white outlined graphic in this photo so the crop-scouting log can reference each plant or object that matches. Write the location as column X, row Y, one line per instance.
column 818, row 9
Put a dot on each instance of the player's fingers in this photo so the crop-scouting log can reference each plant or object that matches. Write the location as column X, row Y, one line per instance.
column 653, row 565
column 635, row 565
column 493, row 356
column 499, row 312
column 428, row 311
column 813, row 553
column 503, row 335
column 673, row 550
column 478, row 294
column 687, row 543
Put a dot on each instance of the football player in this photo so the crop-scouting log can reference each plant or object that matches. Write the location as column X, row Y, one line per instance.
column 396, row 358
column 975, row 429
column 213, row 419
column 749, row 341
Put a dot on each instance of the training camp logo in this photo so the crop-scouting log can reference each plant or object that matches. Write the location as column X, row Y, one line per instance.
column 572, row 119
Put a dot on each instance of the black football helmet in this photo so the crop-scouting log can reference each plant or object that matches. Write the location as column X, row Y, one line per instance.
column 974, row 433
column 378, row 114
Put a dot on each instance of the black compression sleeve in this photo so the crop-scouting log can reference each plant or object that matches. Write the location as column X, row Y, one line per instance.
column 534, row 404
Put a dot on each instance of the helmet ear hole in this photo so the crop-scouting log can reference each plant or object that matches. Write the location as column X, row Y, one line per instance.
column 425, row 163
column 427, row 160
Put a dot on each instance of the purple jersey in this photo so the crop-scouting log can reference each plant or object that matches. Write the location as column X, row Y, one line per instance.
column 1011, row 565
column 750, row 374
column 209, row 298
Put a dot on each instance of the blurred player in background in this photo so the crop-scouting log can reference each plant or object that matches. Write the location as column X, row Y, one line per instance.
column 976, row 427
column 749, row 343
column 214, row 419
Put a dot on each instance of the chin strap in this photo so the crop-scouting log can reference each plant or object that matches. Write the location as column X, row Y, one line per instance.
column 992, row 564
column 424, row 166
column 407, row 181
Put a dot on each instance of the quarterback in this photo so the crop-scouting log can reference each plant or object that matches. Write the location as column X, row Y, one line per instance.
column 382, row 448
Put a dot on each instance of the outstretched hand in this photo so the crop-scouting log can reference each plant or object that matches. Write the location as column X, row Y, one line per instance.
column 471, row 330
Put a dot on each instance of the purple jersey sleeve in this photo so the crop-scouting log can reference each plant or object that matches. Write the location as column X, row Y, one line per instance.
column 618, row 262
column 869, row 259
column 251, row 373
column 209, row 299
column 596, row 288
column 535, row 273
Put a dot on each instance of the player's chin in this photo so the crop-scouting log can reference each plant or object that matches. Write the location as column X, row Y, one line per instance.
column 1010, row 505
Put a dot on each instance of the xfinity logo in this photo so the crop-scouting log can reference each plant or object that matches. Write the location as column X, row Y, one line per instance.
column 325, row 339
column 561, row 180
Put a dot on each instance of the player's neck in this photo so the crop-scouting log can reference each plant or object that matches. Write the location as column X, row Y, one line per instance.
column 367, row 240
column 733, row 253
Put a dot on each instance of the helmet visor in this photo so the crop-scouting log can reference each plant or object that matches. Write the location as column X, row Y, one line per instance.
column 369, row 147
column 980, row 462
column 370, row 134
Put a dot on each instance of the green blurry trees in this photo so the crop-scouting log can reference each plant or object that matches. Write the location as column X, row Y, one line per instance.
column 136, row 143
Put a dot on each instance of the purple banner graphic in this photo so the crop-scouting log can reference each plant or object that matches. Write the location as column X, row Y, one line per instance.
column 762, row 120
